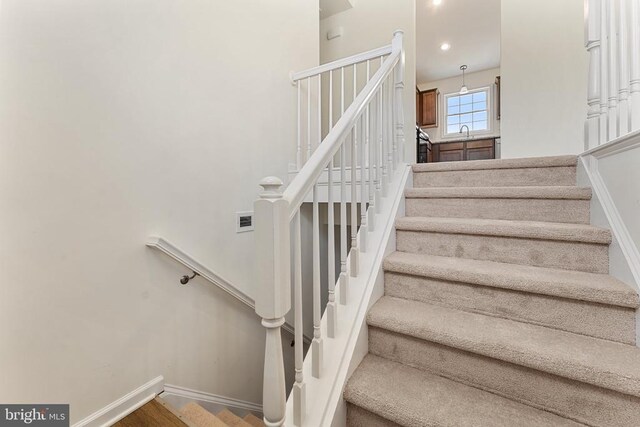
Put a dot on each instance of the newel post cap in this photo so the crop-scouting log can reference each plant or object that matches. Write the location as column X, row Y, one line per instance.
column 271, row 188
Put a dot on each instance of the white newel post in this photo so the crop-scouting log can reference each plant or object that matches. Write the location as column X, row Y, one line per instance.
column 273, row 298
column 396, row 45
column 592, row 43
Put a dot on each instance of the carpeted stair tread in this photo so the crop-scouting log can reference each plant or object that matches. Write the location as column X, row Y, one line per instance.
column 231, row 419
column 507, row 228
column 532, row 192
column 411, row 397
column 598, row 362
column 253, row 420
column 599, row 288
column 200, row 417
column 530, row 162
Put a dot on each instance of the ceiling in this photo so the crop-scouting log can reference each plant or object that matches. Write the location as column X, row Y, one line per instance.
column 471, row 27
column 331, row 7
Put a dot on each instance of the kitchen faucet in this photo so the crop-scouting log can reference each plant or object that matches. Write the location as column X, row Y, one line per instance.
column 465, row 126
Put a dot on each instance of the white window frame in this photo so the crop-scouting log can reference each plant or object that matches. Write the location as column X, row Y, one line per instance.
column 445, row 110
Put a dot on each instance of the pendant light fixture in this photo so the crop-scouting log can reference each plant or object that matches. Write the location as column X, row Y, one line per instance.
column 463, row 89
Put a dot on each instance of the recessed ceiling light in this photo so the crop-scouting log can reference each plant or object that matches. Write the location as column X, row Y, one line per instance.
column 436, row 2
column 445, row 46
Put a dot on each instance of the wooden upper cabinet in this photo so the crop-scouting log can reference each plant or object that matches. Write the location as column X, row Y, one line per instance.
column 428, row 108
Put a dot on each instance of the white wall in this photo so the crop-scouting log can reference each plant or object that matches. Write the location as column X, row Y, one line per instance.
column 544, row 77
column 621, row 175
column 368, row 25
column 119, row 120
column 479, row 79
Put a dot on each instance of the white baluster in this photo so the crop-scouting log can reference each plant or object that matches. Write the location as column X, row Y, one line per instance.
column 371, row 220
column 592, row 43
column 378, row 150
column 603, row 124
column 344, row 278
column 634, row 86
column 299, row 147
column 319, row 109
column 399, row 107
column 390, row 128
column 308, row 118
column 299, row 387
column 331, row 261
column 623, row 68
column 362, row 245
column 341, row 91
column 613, row 71
column 383, row 139
column 316, row 343
column 273, row 298
column 355, row 252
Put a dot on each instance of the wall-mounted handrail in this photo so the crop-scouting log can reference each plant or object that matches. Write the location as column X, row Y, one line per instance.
column 192, row 264
column 342, row 62
column 312, row 169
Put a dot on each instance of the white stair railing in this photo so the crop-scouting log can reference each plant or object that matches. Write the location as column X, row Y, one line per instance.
column 369, row 136
column 612, row 38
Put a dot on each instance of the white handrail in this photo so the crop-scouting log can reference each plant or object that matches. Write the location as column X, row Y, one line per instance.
column 378, row 108
column 311, row 171
column 342, row 62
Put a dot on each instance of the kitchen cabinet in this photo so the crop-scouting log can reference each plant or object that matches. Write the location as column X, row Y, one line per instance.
column 472, row 149
column 427, row 108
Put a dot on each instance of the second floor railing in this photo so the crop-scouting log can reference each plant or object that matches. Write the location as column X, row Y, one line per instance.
column 368, row 137
column 612, row 39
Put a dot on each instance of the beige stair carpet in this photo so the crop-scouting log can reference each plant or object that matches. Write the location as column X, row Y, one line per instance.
column 540, row 203
column 497, row 173
column 498, row 307
column 410, row 397
column 597, row 305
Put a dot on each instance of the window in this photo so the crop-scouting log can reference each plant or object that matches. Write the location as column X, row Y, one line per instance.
column 471, row 109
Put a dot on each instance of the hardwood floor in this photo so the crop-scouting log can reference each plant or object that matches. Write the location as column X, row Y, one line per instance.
column 151, row 414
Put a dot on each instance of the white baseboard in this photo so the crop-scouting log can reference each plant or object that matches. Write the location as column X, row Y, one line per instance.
column 122, row 407
column 178, row 396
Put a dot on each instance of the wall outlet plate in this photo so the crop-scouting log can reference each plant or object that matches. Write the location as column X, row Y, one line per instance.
column 244, row 221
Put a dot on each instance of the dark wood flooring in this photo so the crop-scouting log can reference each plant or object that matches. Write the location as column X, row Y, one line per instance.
column 152, row 414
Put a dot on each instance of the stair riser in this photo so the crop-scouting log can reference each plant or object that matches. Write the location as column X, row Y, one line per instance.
column 358, row 417
column 579, row 401
column 565, row 175
column 550, row 210
column 589, row 257
column 592, row 319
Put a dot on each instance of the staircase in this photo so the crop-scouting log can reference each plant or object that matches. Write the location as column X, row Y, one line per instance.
column 200, row 417
column 498, row 307
column 158, row 413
